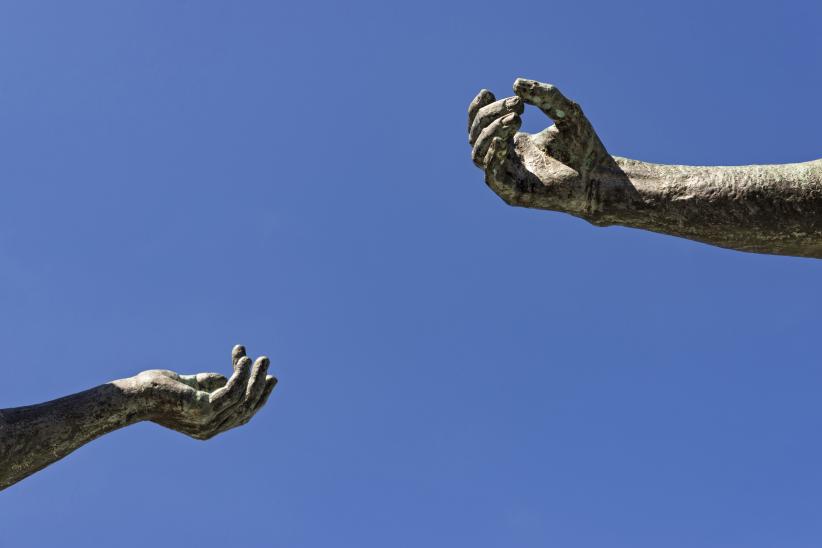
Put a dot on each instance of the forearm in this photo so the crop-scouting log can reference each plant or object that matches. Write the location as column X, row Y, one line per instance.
column 762, row 208
column 34, row 436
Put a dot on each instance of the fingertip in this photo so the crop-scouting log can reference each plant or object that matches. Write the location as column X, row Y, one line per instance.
column 523, row 84
column 486, row 94
column 531, row 90
column 262, row 363
column 244, row 363
column 237, row 352
column 484, row 97
column 515, row 104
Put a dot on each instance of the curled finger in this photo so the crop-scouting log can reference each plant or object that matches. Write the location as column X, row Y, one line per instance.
column 256, row 382
column 270, row 383
column 489, row 113
column 496, row 155
column 503, row 128
column 234, row 390
column 484, row 97
column 240, row 415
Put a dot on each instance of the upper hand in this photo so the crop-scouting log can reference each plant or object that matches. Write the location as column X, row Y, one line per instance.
column 550, row 169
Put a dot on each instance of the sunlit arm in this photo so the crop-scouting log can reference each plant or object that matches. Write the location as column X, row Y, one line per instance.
column 759, row 208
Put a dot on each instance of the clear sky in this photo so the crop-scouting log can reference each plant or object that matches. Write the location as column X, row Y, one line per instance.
column 178, row 177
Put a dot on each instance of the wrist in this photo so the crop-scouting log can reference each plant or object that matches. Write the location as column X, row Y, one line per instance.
column 618, row 189
column 133, row 403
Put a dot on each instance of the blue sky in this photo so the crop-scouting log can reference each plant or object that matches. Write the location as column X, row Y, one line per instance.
column 178, row 177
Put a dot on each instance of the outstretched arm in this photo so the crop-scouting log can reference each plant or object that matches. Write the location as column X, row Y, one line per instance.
column 759, row 208
column 200, row 406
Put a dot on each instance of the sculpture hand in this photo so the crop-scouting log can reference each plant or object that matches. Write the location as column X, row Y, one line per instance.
column 550, row 169
column 205, row 404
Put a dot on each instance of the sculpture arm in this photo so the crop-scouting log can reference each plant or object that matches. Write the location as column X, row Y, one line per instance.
column 34, row 436
column 200, row 406
column 761, row 208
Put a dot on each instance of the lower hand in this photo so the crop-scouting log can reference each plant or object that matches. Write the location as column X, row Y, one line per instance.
column 206, row 404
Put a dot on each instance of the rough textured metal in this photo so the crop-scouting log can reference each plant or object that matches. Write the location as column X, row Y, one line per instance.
column 200, row 406
column 759, row 208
